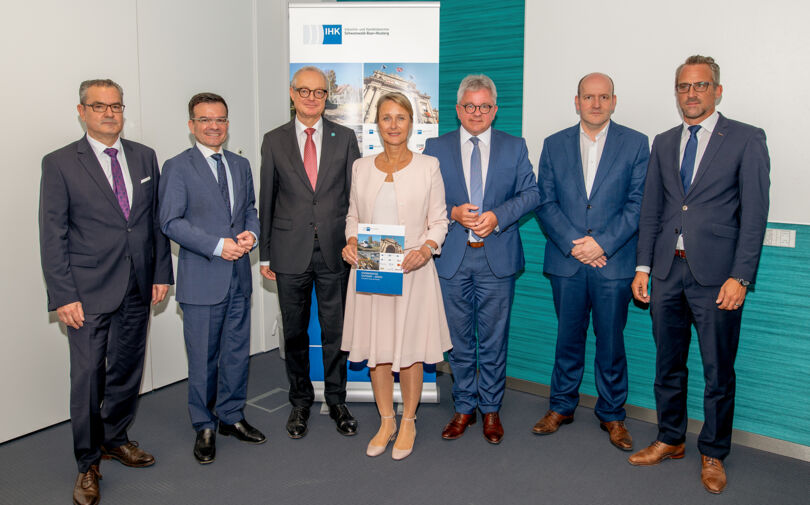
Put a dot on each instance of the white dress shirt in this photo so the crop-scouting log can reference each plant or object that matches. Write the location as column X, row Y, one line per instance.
column 106, row 163
column 591, row 152
column 212, row 164
column 484, row 144
column 317, row 138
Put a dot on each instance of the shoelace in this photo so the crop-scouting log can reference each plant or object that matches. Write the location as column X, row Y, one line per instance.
column 87, row 480
column 711, row 461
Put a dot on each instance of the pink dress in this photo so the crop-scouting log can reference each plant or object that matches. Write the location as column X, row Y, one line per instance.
column 401, row 330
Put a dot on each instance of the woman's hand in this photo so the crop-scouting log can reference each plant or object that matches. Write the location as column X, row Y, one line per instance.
column 350, row 251
column 416, row 259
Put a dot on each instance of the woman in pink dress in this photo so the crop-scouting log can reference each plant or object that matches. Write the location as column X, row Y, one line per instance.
column 397, row 333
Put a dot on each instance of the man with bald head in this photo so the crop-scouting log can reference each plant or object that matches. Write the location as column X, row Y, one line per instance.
column 591, row 179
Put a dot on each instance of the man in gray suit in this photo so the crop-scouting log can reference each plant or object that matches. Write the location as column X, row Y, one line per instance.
column 104, row 259
column 304, row 197
column 207, row 207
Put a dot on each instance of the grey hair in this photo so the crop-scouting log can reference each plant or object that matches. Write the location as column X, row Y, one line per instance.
column 104, row 83
column 474, row 83
column 701, row 60
column 309, row 68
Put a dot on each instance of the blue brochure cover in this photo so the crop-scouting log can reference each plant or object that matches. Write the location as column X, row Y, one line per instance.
column 380, row 251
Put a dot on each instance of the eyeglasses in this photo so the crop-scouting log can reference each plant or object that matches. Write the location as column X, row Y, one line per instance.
column 684, row 87
column 117, row 108
column 304, row 92
column 208, row 120
column 470, row 108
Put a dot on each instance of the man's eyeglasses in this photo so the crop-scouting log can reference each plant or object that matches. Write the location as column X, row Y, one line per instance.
column 684, row 87
column 209, row 120
column 304, row 92
column 470, row 108
column 117, row 108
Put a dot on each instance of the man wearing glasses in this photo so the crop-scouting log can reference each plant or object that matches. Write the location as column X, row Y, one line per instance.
column 700, row 236
column 304, row 197
column 207, row 207
column 489, row 185
column 104, row 260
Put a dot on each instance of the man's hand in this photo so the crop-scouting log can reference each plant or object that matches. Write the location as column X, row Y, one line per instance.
column 71, row 314
column 465, row 215
column 267, row 273
column 415, row 259
column 232, row 251
column 598, row 262
column 731, row 296
column 486, row 223
column 159, row 292
column 639, row 287
column 587, row 250
column 350, row 251
column 246, row 240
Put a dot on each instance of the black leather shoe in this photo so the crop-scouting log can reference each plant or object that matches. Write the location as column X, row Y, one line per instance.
column 242, row 431
column 297, row 422
column 205, row 446
column 346, row 423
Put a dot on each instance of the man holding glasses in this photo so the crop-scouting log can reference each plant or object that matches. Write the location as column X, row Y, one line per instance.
column 489, row 185
column 207, row 207
column 700, row 237
column 304, row 197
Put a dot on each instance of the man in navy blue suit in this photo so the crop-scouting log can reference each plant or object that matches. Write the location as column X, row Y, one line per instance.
column 703, row 219
column 489, row 185
column 591, row 179
column 207, row 207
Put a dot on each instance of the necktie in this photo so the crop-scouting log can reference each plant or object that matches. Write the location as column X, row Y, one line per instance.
column 119, row 187
column 476, row 178
column 310, row 158
column 689, row 155
column 222, row 181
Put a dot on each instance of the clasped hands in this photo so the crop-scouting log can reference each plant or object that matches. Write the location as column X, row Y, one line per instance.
column 481, row 224
column 588, row 251
column 233, row 250
column 415, row 259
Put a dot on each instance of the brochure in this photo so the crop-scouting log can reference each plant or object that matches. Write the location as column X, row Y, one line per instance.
column 380, row 251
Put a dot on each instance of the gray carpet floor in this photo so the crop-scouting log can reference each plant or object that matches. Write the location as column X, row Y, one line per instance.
column 575, row 466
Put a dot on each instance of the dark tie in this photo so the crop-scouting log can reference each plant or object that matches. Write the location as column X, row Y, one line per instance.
column 119, row 188
column 689, row 155
column 222, row 180
column 476, row 178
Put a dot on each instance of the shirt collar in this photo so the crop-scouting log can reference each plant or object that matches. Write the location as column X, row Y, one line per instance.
column 707, row 124
column 300, row 127
column 99, row 147
column 599, row 135
column 207, row 151
column 484, row 137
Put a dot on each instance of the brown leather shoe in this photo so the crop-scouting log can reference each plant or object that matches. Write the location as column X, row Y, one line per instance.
column 713, row 475
column 656, row 452
column 619, row 436
column 129, row 454
column 493, row 430
column 85, row 492
column 551, row 422
column 455, row 428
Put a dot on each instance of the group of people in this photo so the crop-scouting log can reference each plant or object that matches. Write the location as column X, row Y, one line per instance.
column 691, row 214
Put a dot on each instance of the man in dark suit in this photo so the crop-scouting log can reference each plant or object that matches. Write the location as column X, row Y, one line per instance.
column 304, row 197
column 702, row 223
column 207, row 207
column 103, row 258
column 489, row 185
column 591, row 179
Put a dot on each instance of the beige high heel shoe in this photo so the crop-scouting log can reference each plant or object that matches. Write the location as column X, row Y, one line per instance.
column 399, row 454
column 375, row 450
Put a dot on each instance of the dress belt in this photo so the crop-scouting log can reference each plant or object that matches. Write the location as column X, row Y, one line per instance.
column 680, row 253
column 475, row 245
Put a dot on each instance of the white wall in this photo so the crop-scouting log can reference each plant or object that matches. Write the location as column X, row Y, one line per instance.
column 161, row 53
column 762, row 49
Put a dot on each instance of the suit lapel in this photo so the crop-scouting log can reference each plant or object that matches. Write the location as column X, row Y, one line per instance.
column 458, row 168
column 236, row 178
column 716, row 140
column 613, row 144
column 87, row 157
column 328, row 141
column 575, row 155
column 293, row 153
column 206, row 176
column 489, row 191
column 135, row 165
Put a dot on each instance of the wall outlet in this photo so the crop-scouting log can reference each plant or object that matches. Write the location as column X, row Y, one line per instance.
column 780, row 238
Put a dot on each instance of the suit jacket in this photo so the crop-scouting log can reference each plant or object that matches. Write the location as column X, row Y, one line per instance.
column 291, row 212
column 724, row 214
column 420, row 199
column 86, row 244
column 610, row 215
column 194, row 214
column 510, row 192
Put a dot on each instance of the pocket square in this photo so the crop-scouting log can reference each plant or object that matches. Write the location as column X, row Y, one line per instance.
column 146, row 179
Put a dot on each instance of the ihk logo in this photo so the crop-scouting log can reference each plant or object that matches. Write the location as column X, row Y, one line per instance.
column 323, row 34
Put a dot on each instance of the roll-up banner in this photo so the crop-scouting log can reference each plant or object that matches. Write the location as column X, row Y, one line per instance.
column 367, row 50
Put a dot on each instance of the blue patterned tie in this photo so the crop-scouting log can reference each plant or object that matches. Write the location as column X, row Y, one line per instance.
column 222, row 180
column 476, row 179
column 689, row 155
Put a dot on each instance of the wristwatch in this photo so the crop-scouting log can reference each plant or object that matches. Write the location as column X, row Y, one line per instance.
column 744, row 283
column 432, row 250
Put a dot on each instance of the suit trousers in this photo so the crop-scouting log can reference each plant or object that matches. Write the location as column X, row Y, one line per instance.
column 106, row 367
column 577, row 298
column 218, row 348
column 677, row 302
column 295, row 302
column 478, row 306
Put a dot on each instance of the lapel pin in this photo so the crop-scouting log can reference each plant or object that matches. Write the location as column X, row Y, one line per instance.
column 333, row 134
